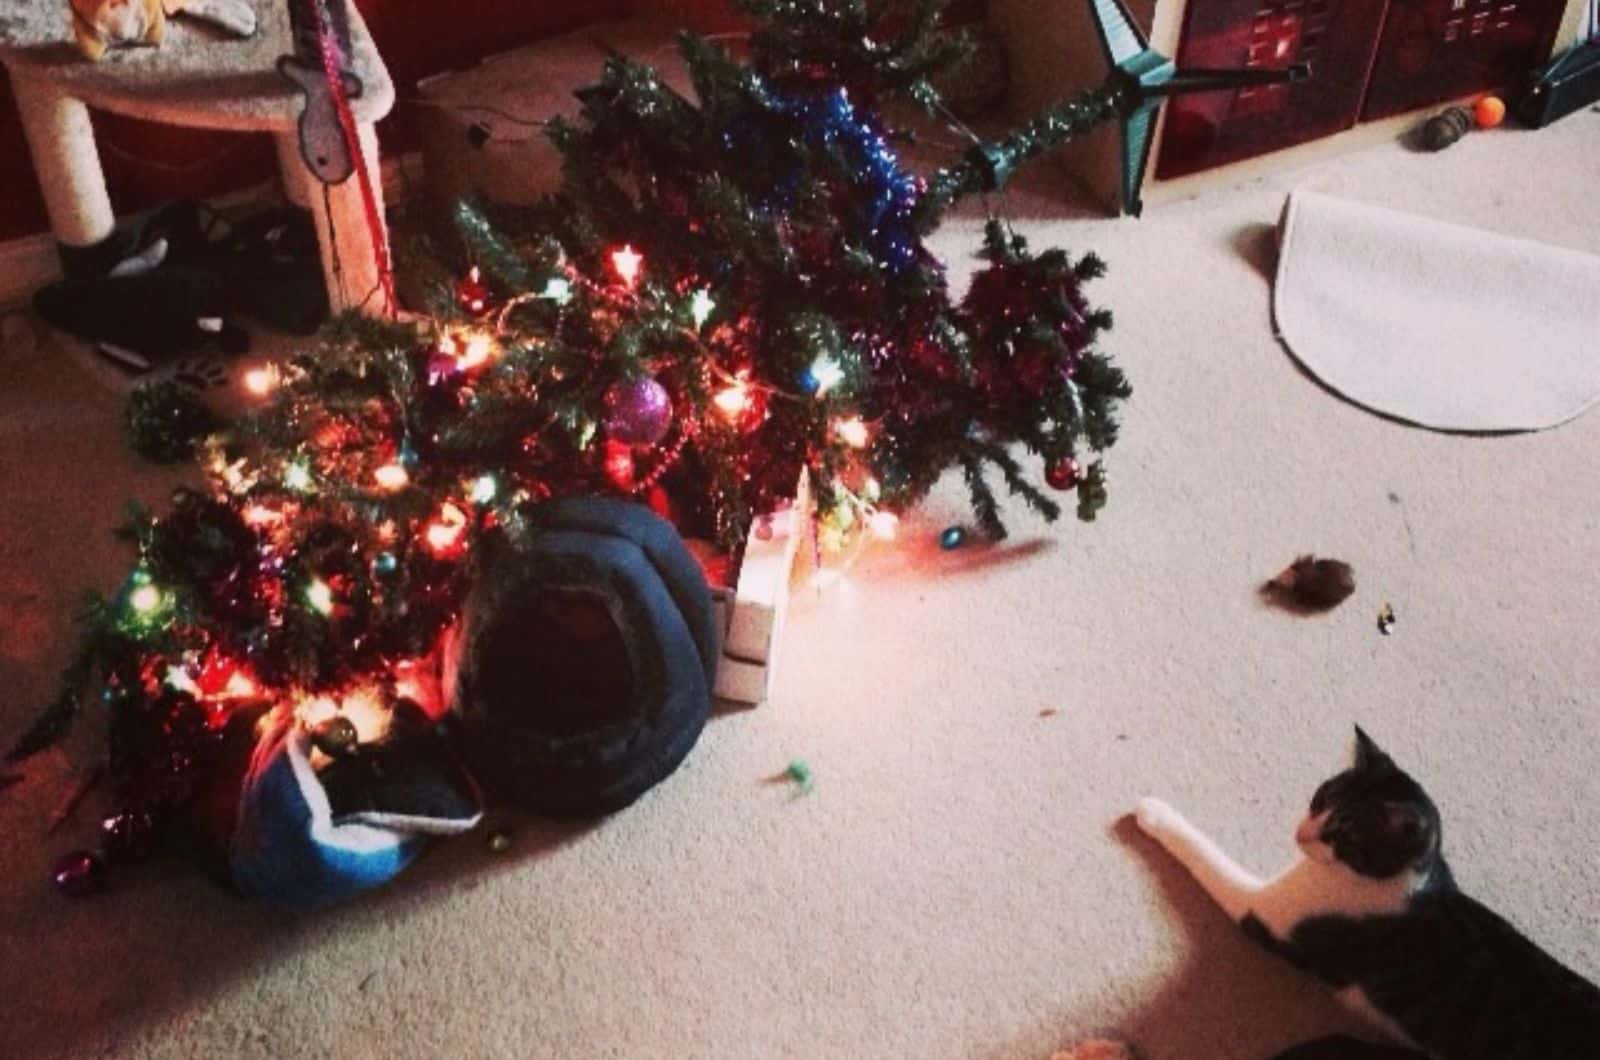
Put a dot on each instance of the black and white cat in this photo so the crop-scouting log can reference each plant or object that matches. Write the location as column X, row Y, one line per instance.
column 1372, row 909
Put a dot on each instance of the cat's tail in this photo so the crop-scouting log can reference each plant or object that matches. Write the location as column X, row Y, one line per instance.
column 1341, row 1047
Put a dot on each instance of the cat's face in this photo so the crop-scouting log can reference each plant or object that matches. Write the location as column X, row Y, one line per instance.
column 1373, row 818
column 120, row 21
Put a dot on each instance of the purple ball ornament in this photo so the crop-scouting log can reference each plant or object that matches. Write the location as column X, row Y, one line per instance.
column 638, row 412
column 80, row 874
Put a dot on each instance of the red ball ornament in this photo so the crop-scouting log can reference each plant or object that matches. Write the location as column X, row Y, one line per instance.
column 1063, row 474
column 472, row 294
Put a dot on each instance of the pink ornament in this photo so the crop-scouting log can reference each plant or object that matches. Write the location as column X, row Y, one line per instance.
column 472, row 294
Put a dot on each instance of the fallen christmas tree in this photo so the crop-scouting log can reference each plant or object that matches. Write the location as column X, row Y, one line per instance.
column 727, row 292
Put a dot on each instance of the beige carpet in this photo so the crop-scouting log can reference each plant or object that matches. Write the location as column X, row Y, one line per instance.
column 956, row 885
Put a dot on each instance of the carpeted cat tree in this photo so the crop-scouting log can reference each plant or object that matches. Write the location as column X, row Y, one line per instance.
column 193, row 79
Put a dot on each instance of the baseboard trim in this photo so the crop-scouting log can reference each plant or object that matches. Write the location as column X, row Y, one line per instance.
column 30, row 262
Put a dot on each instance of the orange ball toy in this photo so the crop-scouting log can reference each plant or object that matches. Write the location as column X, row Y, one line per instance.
column 1489, row 112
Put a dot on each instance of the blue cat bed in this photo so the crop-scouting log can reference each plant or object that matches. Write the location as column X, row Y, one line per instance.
column 588, row 660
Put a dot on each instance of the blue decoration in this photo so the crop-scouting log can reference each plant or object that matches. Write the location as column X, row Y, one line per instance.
column 888, row 192
column 385, row 563
column 828, row 121
column 953, row 538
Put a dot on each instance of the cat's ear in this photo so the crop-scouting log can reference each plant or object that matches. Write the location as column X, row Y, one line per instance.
column 1368, row 754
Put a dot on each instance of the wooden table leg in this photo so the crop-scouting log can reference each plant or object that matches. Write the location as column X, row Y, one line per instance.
column 66, row 162
column 348, row 264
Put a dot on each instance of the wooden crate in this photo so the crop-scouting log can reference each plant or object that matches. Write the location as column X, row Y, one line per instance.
column 751, row 612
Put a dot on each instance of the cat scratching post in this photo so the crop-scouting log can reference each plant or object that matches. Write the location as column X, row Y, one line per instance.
column 341, row 220
column 195, row 80
column 66, row 162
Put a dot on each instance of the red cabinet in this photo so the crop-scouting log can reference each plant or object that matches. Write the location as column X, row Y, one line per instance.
column 1336, row 37
column 1434, row 50
column 1369, row 59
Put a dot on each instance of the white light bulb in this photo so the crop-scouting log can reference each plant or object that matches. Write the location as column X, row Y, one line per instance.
column 391, row 477
column 825, row 375
column 145, row 599
column 319, row 594
column 297, row 476
column 558, row 290
column 627, row 262
column 852, row 432
column 700, row 307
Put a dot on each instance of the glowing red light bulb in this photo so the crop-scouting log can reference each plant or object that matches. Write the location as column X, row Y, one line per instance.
column 447, row 533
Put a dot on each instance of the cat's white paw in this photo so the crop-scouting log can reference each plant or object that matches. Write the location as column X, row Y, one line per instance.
column 1154, row 816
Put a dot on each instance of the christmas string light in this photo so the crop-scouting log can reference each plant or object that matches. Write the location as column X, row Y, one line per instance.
column 701, row 307
column 297, row 476
column 145, row 600
column 260, row 515
column 733, row 401
column 476, row 352
column 240, row 686
column 178, row 680
column 262, row 381
column 392, row 477
column 823, row 375
column 557, row 290
column 446, row 534
column 852, row 432
column 618, row 466
column 627, row 262
column 319, row 594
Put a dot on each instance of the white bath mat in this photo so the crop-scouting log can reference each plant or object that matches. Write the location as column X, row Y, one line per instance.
column 1444, row 326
